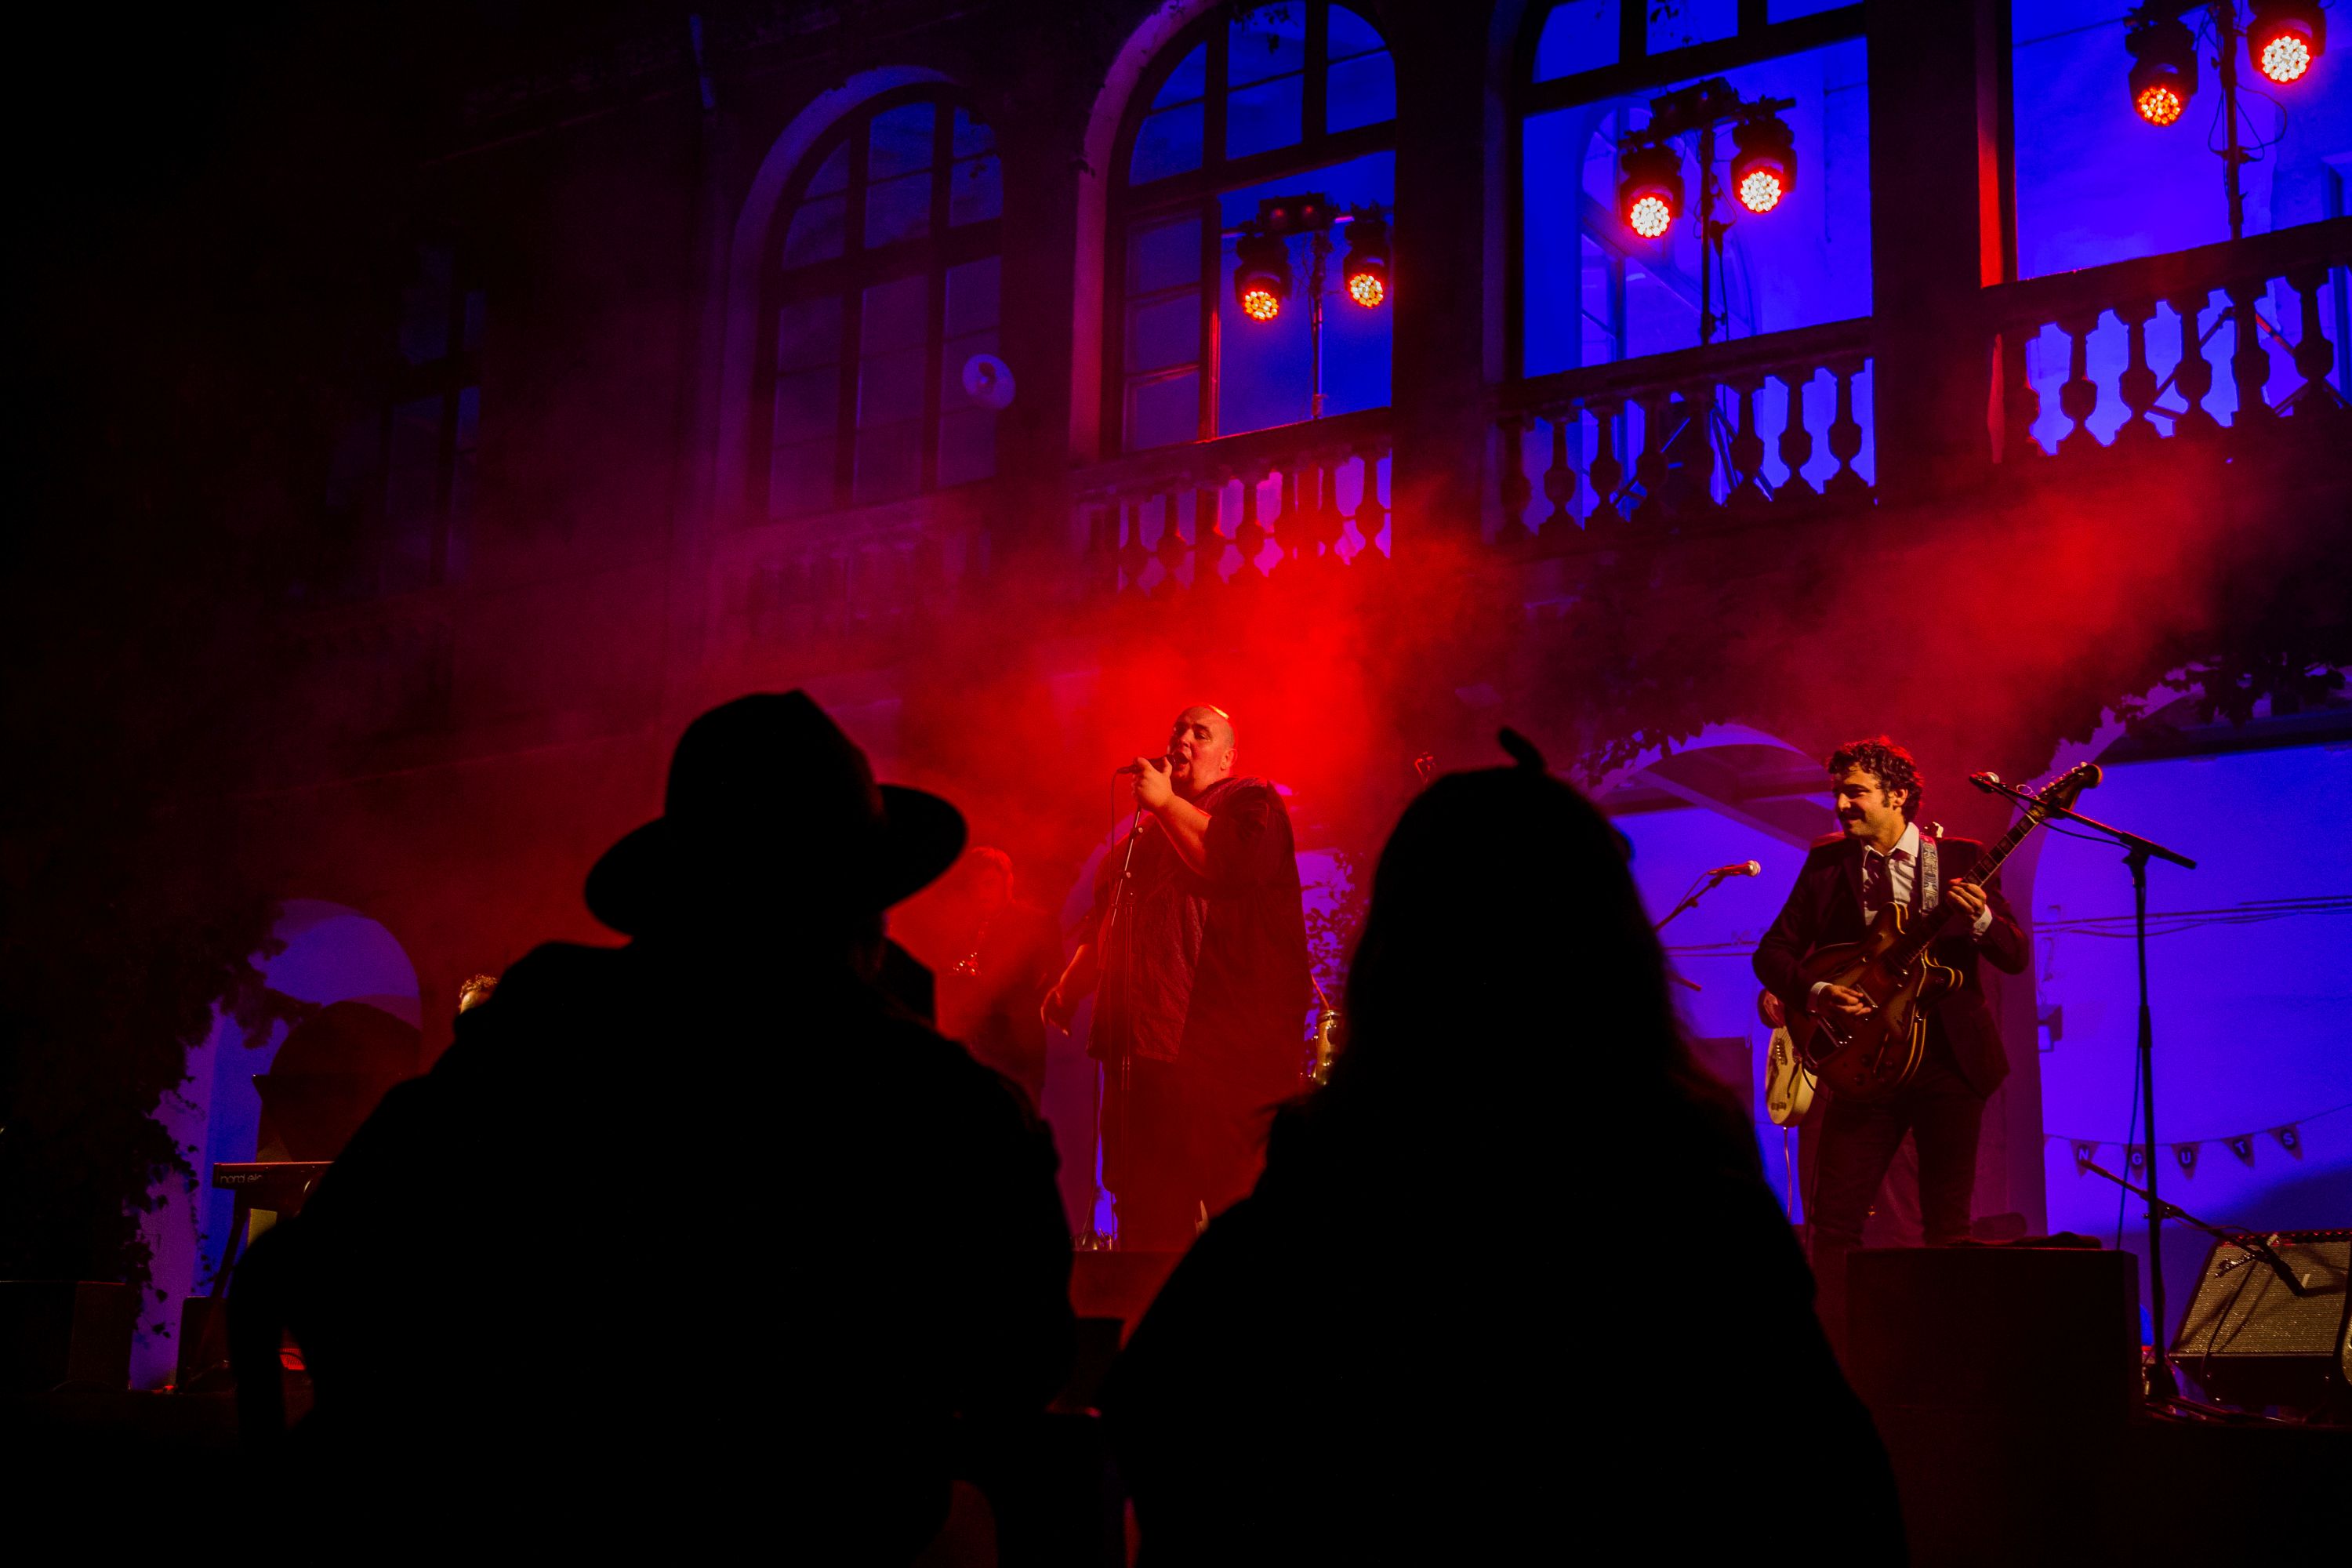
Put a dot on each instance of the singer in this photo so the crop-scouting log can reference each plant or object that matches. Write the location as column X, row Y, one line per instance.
column 1197, row 943
column 1878, row 854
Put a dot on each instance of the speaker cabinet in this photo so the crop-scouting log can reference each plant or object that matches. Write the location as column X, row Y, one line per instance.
column 2249, row 1339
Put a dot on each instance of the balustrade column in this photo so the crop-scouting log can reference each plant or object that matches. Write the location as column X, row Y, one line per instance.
column 1650, row 467
column 1845, row 434
column 2193, row 377
column 2079, row 394
column 1796, row 436
column 1171, row 549
column 2249, row 362
column 1747, row 451
column 1608, row 470
column 1559, row 484
column 1698, row 447
column 1132, row 556
column 2138, row 382
column 2314, row 356
column 1513, row 465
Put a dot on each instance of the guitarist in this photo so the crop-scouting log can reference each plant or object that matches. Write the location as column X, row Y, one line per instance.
column 1878, row 855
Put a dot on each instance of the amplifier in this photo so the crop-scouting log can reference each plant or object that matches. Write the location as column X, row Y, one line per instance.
column 2249, row 1339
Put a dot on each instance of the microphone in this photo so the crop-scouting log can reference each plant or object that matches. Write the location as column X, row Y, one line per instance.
column 1131, row 768
column 1737, row 868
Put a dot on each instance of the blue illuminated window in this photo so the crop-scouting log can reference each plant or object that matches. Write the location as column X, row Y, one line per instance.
column 881, row 286
column 1591, row 288
column 1254, row 101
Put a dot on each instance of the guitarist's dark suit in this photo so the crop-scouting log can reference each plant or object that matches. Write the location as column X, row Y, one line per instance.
column 1943, row 1107
column 1825, row 909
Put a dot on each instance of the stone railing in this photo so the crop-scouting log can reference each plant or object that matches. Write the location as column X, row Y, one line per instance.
column 1242, row 508
column 2128, row 354
column 1745, row 429
column 859, row 573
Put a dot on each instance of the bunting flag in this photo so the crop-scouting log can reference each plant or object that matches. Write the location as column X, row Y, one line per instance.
column 2288, row 1133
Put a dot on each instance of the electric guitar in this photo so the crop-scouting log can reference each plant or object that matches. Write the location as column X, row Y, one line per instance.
column 1873, row 1055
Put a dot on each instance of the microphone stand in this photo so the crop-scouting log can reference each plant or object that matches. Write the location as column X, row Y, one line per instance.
column 2254, row 1245
column 1122, row 898
column 2137, row 852
column 1690, row 902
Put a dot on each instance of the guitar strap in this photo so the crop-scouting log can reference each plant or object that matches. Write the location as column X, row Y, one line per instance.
column 1928, row 883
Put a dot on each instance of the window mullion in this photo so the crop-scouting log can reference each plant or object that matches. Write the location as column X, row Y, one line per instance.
column 853, row 315
column 1317, row 85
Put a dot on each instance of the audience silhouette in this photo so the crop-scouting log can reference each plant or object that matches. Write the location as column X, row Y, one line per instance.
column 1512, row 1283
column 846, row 1234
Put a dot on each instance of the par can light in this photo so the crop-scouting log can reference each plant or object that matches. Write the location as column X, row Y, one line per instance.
column 1650, row 188
column 1261, row 274
column 2284, row 37
column 1367, row 259
column 2164, row 67
column 1765, row 168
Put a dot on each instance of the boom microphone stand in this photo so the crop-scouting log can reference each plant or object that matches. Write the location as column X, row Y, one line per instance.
column 2137, row 852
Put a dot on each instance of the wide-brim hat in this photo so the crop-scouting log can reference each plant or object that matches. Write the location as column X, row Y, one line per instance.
column 772, row 809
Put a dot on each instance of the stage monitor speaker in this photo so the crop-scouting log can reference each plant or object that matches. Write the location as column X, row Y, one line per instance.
column 2248, row 1339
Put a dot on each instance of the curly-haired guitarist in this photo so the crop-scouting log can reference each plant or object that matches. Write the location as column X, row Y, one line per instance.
column 1878, row 855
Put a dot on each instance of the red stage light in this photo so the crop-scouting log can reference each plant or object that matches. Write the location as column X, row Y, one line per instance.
column 2164, row 67
column 2158, row 104
column 1367, row 259
column 1262, row 275
column 1765, row 168
column 1650, row 191
column 2284, row 37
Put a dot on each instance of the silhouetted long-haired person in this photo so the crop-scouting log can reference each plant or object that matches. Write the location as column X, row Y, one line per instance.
column 701, row 1232
column 1511, row 1285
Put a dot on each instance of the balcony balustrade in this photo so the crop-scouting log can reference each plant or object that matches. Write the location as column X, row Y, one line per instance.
column 1270, row 504
column 1763, row 427
column 856, row 574
column 2124, row 356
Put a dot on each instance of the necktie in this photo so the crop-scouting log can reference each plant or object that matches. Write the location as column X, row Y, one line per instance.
column 1874, row 881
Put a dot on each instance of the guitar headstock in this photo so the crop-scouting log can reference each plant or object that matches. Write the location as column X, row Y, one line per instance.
column 2067, row 787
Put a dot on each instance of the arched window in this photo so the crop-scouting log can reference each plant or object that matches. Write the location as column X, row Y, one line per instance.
column 879, row 289
column 1249, row 102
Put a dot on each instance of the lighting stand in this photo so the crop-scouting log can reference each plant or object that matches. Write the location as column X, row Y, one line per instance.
column 1318, row 253
column 1701, row 108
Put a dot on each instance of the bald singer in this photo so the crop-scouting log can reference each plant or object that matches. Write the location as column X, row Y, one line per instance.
column 1201, row 964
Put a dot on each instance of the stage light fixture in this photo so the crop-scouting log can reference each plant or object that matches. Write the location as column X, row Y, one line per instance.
column 1650, row 186
column 2164, row 67
column 1765, row 168
column 2284, row 37
column 1261, row 274
column 1367, row 259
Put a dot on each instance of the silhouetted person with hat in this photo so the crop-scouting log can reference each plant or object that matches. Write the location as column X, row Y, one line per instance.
column 1511, row 1287
column 511, row 1294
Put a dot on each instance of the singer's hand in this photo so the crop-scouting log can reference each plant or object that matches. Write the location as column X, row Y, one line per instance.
column 1769, row 1008
column 1154, row 788
column 1058, row 1009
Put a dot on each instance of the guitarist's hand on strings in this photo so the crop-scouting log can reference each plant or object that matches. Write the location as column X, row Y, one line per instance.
column 1973, row 901
column 1842, row 999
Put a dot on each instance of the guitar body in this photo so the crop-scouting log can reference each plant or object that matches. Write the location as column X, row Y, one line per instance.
column 1871, row 1056
column 1788, row 1081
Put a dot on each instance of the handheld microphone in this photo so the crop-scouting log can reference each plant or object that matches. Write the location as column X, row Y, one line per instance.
column 1131, row 768
column 1737, row 868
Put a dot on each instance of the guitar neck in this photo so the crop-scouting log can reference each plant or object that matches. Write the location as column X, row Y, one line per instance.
column 1917, row 939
